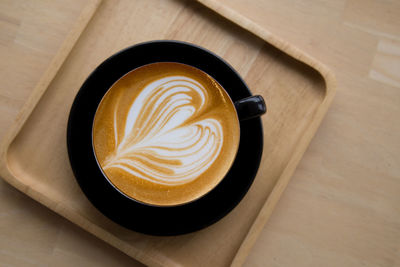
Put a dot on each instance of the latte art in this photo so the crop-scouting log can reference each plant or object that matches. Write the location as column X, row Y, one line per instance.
column 165, row 134
column 167, row 144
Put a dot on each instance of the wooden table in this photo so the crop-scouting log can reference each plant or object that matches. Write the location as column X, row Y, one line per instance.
column 342, row 207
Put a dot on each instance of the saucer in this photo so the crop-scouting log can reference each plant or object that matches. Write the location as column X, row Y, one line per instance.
column 148, row 219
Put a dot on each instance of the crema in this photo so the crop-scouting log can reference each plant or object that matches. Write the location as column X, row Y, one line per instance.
column 165, row 134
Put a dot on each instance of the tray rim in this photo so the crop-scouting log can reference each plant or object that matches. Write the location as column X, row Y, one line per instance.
column 262, row 217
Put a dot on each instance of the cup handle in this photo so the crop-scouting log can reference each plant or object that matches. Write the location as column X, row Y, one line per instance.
column 250, row 107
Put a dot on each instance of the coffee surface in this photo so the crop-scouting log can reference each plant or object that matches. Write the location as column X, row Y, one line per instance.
column 165, row 133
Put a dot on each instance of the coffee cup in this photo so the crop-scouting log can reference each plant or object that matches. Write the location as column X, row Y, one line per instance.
column 162, row 129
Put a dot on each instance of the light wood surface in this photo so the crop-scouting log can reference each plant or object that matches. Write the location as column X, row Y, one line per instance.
column 297, row 94
column 341, row 207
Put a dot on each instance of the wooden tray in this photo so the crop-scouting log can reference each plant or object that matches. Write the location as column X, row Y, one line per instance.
column 298, row 91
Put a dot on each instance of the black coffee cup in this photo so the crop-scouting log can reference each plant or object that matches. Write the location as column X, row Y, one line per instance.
column 143, row 217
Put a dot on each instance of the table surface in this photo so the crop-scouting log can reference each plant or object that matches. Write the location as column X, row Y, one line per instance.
column 342, row 206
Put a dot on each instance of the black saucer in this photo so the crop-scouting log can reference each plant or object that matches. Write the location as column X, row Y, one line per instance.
column 145, row 218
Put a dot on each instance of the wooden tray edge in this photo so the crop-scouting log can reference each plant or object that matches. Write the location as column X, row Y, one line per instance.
column 330, row 91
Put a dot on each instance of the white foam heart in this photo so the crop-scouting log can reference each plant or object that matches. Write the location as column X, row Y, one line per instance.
column 163, row 142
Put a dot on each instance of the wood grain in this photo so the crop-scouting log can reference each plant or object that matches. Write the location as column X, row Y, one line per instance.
column 298, row 95
column 341, row 206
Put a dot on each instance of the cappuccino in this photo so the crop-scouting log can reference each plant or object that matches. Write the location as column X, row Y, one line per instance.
column 165, row 134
